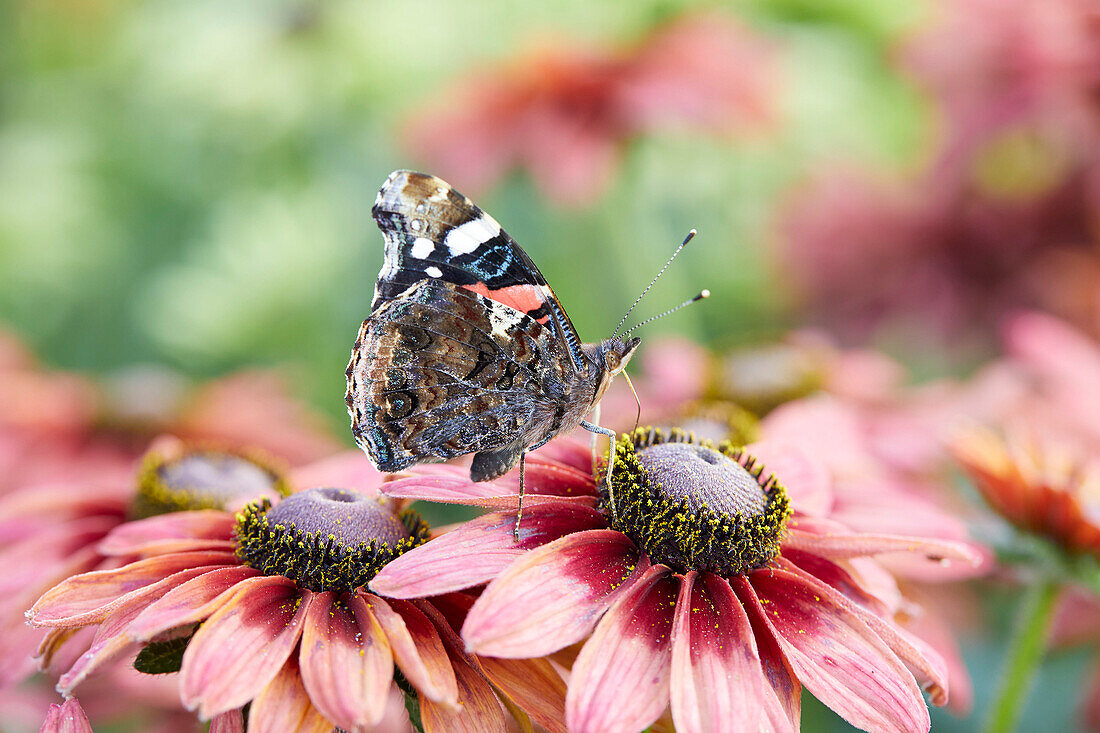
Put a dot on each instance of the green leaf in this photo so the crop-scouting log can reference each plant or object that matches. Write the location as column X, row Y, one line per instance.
column 162, row 657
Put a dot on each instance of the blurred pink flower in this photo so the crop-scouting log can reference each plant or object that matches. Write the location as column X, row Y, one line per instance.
column 564, row 114
column 285, row 623
column 1005, row 213
column 726, row 647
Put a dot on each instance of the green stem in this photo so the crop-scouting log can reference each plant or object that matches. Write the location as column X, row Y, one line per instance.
column 1024, row 655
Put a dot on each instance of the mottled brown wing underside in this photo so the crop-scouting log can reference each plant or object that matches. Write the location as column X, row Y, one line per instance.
column 443, row 371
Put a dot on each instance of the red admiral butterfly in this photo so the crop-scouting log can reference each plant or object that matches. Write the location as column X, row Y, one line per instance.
column 467, row 349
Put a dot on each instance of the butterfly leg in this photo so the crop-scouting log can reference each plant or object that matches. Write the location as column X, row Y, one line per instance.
column 522, row 490
column 595, row 414
column 610, row 459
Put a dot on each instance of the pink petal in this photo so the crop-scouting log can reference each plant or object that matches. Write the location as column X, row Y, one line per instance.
column 88, row 598
column 145, row 536
column 417, row 648
column 68, row 717
column 781, row 698
column 348, row 469
column 716, row 679
column 567, row 451
column 243, row 645
column 838, row 657
column 189, row 602
column 479, row 550
column 284, row 705
column 621, row 677
column 545, row 477
column 478, row 710
column 833, row 542
column 346, row 662
column 924, row 662
column 806, row 479
column 110, row 639
column 533, row 685
column 453, row 490
column 553, row 596
column 230, row 722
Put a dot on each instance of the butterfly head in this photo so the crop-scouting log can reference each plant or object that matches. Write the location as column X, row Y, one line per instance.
column 614, row 353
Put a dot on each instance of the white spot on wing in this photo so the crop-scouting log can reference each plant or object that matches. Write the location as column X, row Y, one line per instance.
column 421, row 248
column 433, row 271
column 501, row 317
column 466, row 238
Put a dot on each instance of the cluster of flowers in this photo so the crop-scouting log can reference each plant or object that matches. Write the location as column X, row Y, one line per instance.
column 807, row 549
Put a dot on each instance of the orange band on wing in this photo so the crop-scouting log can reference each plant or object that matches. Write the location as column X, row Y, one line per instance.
column 524, row 298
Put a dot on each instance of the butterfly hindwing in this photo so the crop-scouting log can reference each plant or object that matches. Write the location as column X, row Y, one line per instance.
column 433, row 232
column 444, row 371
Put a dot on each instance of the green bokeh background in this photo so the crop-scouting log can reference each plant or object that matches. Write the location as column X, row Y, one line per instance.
column 188, row 183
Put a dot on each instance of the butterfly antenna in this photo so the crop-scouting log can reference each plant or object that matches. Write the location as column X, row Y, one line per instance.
column 630, row 310
column 670, row 311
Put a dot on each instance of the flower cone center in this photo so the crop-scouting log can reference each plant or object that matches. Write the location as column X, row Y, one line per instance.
column 326, row 539
column 693, row 506
column 203, row 479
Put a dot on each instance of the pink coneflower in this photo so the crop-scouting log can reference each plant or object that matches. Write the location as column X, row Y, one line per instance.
column 50, row 532
column 285, row 624
column 1037, row 484
column 564, row 115
column 703, row 588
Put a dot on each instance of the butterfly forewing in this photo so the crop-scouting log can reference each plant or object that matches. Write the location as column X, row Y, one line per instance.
column 433, row 232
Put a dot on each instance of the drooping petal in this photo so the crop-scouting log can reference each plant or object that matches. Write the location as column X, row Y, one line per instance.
column 716, row 680
column 781, row 698
column 67, row 717
column 417, row 648
column 532, row 684
column 922, row 660
column 836, row 542
column 346, row 661
column 478, row 710
column 189, row 602
column 479, row 550
column 243, row 645
column 88, row 598
column 150, row 536
column 553, row 596
column 230, row 722
column 621, row 679
column 283, row 705
column 109, row 642
column 838, row 657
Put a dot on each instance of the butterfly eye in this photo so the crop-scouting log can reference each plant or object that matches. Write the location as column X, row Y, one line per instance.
column 611, row 360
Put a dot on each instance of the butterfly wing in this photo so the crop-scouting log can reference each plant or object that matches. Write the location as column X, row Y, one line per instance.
column 433, row 232
column 443, row 371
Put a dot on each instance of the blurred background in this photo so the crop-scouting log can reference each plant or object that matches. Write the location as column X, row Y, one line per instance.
column 185, row 186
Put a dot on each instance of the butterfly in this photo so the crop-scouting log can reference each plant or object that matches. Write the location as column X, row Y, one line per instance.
column 467, row 349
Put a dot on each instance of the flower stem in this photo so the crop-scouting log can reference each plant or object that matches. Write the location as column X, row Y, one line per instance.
column 1024, row 655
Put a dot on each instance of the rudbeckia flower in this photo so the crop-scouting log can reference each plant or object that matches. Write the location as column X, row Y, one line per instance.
column 50, row 532
column 1038, row 485
column 285, row 624
column 699, row 585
